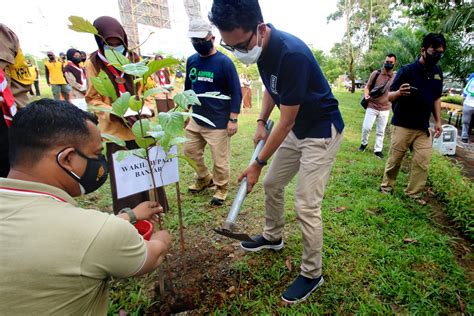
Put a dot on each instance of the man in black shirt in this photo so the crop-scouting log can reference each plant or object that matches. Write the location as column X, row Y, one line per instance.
column 208, row 71
column 415, row 93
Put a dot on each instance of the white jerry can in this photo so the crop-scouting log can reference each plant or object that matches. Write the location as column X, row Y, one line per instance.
column 446, row 143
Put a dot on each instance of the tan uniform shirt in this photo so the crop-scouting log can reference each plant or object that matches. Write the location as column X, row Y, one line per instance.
column 108, row 123
column 55, row 258
column 9, row 49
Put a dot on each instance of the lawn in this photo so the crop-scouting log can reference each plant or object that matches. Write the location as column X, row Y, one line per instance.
column 383, row 254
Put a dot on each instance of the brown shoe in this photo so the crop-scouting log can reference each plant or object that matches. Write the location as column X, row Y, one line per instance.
column 220, row 195
column 386, row 190
column 201, row 184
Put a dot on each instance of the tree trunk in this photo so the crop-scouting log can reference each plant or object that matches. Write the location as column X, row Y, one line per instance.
column 347, row 9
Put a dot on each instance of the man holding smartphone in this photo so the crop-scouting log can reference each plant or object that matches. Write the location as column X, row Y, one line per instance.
column 415, row 94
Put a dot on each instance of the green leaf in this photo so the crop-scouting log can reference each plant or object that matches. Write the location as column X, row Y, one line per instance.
column 136, row 69
column 178, row 140
column 120, row 105
column 104, row 86
column 171, row 122
column 122, row 154
column 214, row 95
column 114, row 139
column 134, row 104
column 155, row 65
column 165, row 142
column 145, row 142
column 104, row 149
column 155, row 126
column 191, row 162
column 140, row 153
column 186, row 99
column 99, row 109
column 157, row 135
column 139, row 126
column 153, row 91
column 115, row 58
column 197, row 116
column 80, row 24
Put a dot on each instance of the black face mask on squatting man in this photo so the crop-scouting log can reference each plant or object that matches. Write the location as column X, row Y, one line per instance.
column 95, row 175
column 203, row 48
column 388, row 66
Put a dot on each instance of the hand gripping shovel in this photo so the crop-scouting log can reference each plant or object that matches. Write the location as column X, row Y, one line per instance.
column 229, row 225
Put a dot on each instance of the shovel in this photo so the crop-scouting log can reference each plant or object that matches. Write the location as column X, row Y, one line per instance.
column 229, row 226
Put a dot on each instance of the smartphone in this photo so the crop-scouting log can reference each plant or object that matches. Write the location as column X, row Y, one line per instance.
column 413, row 89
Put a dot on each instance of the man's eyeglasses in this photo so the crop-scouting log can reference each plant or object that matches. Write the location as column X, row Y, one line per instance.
column 243, row 47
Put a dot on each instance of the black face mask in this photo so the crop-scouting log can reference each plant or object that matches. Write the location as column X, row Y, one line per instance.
column 95, row 175
column 75, row 60
column 204, row 47
column 83, row 59
column 51, row 58
column 388, row 66
column 432, row 59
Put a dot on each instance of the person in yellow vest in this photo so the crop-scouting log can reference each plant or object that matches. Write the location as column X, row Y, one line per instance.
column 55, row 77
column 62, row 59
column 34, row 74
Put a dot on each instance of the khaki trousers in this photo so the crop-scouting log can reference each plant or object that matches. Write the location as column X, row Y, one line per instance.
column 402, row 139
column 312, row 159
column 219, row 143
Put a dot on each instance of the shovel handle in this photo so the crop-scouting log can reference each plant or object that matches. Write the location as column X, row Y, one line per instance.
column 242, row 193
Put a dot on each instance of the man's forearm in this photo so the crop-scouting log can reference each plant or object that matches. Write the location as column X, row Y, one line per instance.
column 267, row 106
column 280, row 131
column 393, row 96
column 437, row 111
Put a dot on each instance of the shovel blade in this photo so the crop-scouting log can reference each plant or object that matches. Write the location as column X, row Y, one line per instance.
column 238, row 236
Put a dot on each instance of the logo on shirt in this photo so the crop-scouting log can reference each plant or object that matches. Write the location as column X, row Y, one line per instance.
column 273, row 84
column 195, row 75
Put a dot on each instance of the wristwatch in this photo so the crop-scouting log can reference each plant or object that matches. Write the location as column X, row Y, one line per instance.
column 233, row 120
column 130, row 213
column 260, row 161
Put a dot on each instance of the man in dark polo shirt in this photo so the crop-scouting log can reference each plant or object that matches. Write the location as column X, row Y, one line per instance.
column 415, row 94
column 305, row 140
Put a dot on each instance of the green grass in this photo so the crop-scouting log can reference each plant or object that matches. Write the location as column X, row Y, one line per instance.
column 456, row 191
column 369, row 268
column 455, row 99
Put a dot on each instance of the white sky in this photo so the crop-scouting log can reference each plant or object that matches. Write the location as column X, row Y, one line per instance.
column 41, row 25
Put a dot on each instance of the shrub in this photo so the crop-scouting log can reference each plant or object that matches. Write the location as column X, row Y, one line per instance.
column 455, row 99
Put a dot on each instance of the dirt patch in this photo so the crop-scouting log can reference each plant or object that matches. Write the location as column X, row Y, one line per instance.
column 201, row 276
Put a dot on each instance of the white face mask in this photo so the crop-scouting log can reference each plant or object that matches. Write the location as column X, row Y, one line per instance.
column 252, row 56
